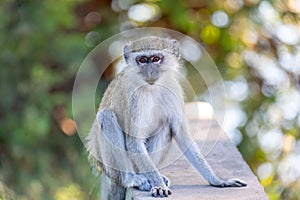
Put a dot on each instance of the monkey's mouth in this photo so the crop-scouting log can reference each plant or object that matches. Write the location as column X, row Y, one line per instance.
column 151, row 81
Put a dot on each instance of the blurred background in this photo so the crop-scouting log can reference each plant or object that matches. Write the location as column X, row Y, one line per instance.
column 255, row 44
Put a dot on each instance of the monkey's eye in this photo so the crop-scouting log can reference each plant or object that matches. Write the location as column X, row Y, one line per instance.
column 142, row 60
column 155, row 59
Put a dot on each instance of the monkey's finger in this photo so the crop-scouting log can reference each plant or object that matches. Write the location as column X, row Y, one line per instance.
column 233, row 183
column 165, row 191
column 241, row 183
column 161, row 192
column 153, row 192
column 236, row 183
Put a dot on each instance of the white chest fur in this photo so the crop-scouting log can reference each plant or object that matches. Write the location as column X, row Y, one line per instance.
column 155, row 106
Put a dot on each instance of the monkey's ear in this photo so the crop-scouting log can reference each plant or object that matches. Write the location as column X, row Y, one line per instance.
column 126, row 51
column 175, row 48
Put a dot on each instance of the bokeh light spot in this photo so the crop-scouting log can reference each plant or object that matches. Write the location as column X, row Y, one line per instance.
column 294, row 5
column 92, row 19
column 190, row 50
column 210, row 34
column 68, row 126
column 92, row 38
column 234, row 60
column 265, row 170
column 270, row 140
column 288, row 33
column 220, row 19
column 144, row 12
column 288, row 169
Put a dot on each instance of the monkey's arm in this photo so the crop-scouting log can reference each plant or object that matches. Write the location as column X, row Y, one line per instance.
column 192, row 153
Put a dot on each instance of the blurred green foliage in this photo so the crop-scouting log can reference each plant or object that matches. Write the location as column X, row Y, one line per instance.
column 41, row 51
column 44, row 42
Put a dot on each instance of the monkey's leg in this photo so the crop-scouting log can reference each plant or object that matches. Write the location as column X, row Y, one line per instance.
column 192, row 153
column 110, row 128
column 113, row 134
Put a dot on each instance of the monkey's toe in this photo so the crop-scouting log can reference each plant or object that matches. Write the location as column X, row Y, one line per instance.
column 160, row 191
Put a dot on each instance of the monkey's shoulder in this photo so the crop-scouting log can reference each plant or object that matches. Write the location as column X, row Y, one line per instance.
column 113, row 92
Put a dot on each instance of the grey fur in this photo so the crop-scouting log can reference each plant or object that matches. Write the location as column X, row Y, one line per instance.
column 138, row 119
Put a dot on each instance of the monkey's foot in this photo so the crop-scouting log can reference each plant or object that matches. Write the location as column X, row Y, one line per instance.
column 230, row 183
column 160, row 191
column 142, row 183
column 166, row 180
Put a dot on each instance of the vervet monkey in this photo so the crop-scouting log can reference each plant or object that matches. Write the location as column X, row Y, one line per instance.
column 140, row 113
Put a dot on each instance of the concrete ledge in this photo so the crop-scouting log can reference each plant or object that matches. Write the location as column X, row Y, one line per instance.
column 224, row 158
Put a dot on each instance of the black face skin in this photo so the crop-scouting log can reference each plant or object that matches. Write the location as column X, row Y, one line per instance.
column 149, row 66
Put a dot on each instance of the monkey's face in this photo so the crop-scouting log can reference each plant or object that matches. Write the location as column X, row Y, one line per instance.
column 150, row 66
column 152, row 57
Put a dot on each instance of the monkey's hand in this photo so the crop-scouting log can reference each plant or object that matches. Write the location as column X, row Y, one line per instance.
column 160, row 191
column 229, row 183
